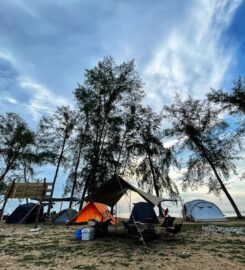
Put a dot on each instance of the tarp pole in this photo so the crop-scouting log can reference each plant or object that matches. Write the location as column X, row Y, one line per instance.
column 137, row 227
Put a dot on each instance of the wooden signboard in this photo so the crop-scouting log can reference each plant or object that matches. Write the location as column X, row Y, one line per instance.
column 28, row 190
column 37, row 190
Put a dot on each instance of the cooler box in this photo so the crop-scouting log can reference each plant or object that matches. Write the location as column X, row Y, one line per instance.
column 88, row 234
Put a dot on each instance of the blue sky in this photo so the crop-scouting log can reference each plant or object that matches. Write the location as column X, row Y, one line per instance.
column 182, row 47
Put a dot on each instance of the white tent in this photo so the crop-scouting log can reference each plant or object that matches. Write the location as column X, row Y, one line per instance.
column 201, row 210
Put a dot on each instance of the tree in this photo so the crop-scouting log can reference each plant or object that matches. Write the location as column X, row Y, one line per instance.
column 212, row 147
column 155, row 159
column 55, row 132
column 234, row 101
column 108, row 91
column 78, row 146
column 16, row 141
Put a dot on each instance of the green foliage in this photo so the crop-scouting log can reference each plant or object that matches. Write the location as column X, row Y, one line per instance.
column 233, row 101
column 212, row 148
column 155, row 159
column 106, row 99
column 16, row 141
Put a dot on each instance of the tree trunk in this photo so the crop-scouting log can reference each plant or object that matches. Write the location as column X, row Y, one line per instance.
column 155, row 184
column 75, row 176
column 204, row 151
column 83, row 195
column 56, row 173
column 225, row 190
column 6, row 170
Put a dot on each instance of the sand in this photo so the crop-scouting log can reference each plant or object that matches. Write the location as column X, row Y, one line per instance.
column 55, row 247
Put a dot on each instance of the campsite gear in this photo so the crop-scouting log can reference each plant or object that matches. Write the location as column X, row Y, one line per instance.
column 168, row 222
column 93, row 211
column 65, row 216
column 201, row 210
column 142, row 221
column 78, row 234
column 132, row 230
column 143, row 212
column 101, row 228
column 88, row 234
column 112, row 191
column 140, row 230
column 176, row 230
column 25, row 213
column 85, row 234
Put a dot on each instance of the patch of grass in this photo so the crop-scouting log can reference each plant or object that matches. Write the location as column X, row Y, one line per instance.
column 213, row 249
column 195, row 247
column 238, row 257
column 184, row 255
column 27, row 258
column 235, row 242
column 125, row 263
column 162, row 254
column 221, row 255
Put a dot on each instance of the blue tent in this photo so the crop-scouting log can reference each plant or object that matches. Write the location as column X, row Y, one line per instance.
column 64, row 216
column 143, row 212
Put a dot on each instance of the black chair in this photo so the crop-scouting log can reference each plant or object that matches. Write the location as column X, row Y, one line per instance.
column 168, row 222
column 176, row 230
column 101, row 228
column 130, row 228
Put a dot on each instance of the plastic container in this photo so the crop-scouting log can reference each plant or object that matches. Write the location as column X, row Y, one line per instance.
column 78, row 234
column 87, row 234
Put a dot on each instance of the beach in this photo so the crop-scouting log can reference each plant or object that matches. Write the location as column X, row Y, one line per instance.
column 55, row 247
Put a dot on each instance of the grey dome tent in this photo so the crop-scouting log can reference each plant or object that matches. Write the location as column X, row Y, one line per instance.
column 201, row 210
column 64, row 216
column 143, row 212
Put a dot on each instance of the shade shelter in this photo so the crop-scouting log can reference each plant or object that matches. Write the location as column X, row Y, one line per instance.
column 112, row 191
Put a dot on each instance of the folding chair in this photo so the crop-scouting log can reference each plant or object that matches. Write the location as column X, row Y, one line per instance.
column 168, row 222
column 174, row 231
column 101, row 228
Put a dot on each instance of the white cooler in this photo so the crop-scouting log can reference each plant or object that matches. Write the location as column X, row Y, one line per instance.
column 88, row 233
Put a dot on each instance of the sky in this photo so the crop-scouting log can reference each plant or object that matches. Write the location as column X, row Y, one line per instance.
column 183, row 47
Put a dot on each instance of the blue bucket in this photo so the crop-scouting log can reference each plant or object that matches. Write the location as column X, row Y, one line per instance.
column 78, row 234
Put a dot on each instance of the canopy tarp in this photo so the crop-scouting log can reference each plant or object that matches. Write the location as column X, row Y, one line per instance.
column 112, row 191
column 68, row 199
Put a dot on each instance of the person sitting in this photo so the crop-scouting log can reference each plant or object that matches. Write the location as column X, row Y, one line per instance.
column 165, row 213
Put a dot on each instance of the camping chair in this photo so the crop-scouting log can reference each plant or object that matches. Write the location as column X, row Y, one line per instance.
column 101, row 228
column 130, row 228
column 174, row 231
column 168, row 222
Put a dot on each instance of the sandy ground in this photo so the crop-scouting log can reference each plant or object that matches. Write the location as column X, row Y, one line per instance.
column 55, row 247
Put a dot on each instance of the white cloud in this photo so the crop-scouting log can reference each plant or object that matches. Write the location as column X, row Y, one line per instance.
column 43, row 101
column 9, row 100
column 193, row 57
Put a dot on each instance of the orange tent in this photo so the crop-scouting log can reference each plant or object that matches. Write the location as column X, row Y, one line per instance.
column 96, row 211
